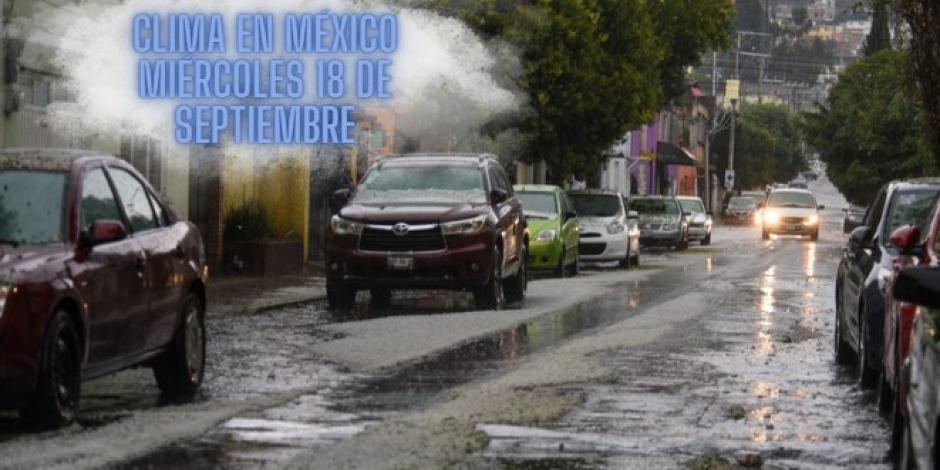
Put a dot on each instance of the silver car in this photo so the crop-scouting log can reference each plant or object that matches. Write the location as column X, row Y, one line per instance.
column 700, row 220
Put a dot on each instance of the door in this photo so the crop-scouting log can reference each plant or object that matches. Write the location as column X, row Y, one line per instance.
column 569, row 227
column 163, row 248
column 509, row 214
column 109, row 279
column 857, row 265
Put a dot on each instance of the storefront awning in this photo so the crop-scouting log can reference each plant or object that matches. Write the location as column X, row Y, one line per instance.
column 669, row 154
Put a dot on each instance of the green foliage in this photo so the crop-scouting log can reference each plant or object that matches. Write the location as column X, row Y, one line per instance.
column 248, row 222
column 767, row 146
column 922, row 18
column 869, row 131
column 800, row 15
column 799, row 60
column 880, row 37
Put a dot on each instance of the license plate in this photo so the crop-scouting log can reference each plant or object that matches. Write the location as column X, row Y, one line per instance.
column 791, row 228
column 401, row 263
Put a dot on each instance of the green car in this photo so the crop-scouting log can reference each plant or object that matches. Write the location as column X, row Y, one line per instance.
column 553, row 228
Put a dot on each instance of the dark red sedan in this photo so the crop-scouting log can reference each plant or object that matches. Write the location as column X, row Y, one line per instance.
column 97, row 274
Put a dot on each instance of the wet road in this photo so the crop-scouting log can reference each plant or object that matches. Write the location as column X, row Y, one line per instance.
column 747, row 371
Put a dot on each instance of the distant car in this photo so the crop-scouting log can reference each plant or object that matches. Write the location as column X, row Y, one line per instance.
column 606, row 233
column 798, row 184
column 792, row 212
column 919, row 447
column 99, row 275
column 759, row 197
column 916, row 247
column 853, row 218
column 867, row 262
column 741, row 209
column 662, row 221
column 553, row 224
column 700, row 220
column 429, row 221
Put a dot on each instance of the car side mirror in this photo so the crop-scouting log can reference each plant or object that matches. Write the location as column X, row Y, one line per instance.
column 101, row 231
column 858, row 237
column 633, row 215
column 919, row 285
column 570, row 214
column 498, row 196
column 906, row 239
column 339, row 199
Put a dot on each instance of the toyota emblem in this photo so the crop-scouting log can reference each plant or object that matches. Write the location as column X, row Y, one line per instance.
column 400, row 229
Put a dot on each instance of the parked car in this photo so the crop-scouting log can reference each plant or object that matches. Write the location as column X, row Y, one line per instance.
column 662, row 221
column 554, row 222
column 429, row 221
column 920, row 286
column 700, row 220
column 917, row 245
column 606, row 233
column 867, row 262
column 853, row 218
column 791, row 211
column 741, row 209
column 98, row 275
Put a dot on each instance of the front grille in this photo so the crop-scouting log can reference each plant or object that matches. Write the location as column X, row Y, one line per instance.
column 792, row 220
column 590, row 235
column 378, row 239
column 701, row 225
column 591, row 248
column 651, row 226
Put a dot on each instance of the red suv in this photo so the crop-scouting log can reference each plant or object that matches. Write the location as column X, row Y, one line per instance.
column 429, row 221
column 96, row 275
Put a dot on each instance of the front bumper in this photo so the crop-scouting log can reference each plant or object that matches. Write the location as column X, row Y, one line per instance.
column 544, row 255
column 791, row 229
column 699, row 232
column 597, row 246
column 660, row 238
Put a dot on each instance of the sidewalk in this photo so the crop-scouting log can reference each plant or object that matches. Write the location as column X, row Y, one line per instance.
column 246, row 295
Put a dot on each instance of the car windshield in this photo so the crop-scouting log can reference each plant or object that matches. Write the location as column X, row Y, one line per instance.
column 538, row 205
column 31, row 207
column 748, row 202
column 422, row 183
column 596, row 205
column 692, row 205
column 654, row 206
column 792, row 199
column 911, row 207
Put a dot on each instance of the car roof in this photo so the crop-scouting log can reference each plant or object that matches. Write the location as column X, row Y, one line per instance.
column 536, row 188
column 914, row 183
column 599, row 192
column 689, row 198
column 794, row 190
column 433, row 158
column 653, row 196
column 45, row 159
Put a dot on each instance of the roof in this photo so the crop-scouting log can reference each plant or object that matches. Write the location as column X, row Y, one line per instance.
column 50, row 159
column 608, row 192
column 915, row 182
column 422, row 158
column 653, row 196
column 689, row 198
column 536, row 188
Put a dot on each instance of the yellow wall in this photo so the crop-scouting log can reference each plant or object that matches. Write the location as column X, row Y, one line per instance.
column 280, row 184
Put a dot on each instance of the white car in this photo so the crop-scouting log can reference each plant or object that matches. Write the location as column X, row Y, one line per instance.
column 608, row 232
column 791, row 211
column 700, row 220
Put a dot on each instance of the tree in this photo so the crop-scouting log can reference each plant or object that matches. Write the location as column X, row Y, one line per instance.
column 800, row 15
column 869, row 130
column 923, row 19
column 880, row 37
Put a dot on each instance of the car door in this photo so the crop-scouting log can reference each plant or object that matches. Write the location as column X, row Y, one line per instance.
column 569, row 228
column 109, row 279
column 925, row 374
column 857, row 262
column 163, row 246
column 152, row 295
column 509, row 217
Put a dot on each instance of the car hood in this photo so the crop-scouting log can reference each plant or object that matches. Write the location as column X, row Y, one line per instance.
column 20, row 262
column 411, row 212
column 596, row 222
column 537, row 225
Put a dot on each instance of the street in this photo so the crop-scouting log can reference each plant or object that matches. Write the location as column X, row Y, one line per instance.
column 706, row 357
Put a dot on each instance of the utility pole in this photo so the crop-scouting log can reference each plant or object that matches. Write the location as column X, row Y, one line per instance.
column 734, row 115
column 715, row 74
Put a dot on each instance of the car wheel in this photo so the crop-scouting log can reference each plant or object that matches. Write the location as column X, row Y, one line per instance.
column 55, row 400
column 490, row 296
column 575, row 267
column 841, row 349
column 906, row 459
column 380, row 298
column 625, row 262
column 707, row 240
column 866, row 375
column 896, row 419
column 885, row 397
column 516, row 285
column 560, row 269
column 339, row 297
column 636, row 259
column 180, row 369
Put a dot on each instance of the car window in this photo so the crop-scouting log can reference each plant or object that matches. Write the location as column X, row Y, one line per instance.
column 692, row 205
column 31, row 207
column 416, row 183
column 909, row 207
column 538, row 205
column 98, row 202
column 134, row 199
column 792, row 199
column 740, row 201
column 873, row 216
column 597, row 205
column 157, row 210
column 654, row 206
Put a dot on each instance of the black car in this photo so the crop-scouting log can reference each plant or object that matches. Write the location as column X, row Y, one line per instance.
column 867, row 261
column 429, row 221
column 853, row 218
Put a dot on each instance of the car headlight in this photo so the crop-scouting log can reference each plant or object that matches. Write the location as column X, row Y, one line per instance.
column 465, row 226
column 614, row 227
column 771, row 218
column 341, row 226
column 813, row 219
column 669, row 227
column 545, row 236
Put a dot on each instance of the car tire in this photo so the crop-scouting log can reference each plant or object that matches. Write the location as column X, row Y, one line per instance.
column 560, row 269
column 575, row 267
column 380, row 298
column 625, row 262
column 515, row 286
column 896, row 418
column 841, row 349
column 490, row 295
column 339, row 298
column 636, row 260
column 885, row 397
column 707, row 240
column 179, row 370
column 866, row 375
column 55, row 400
